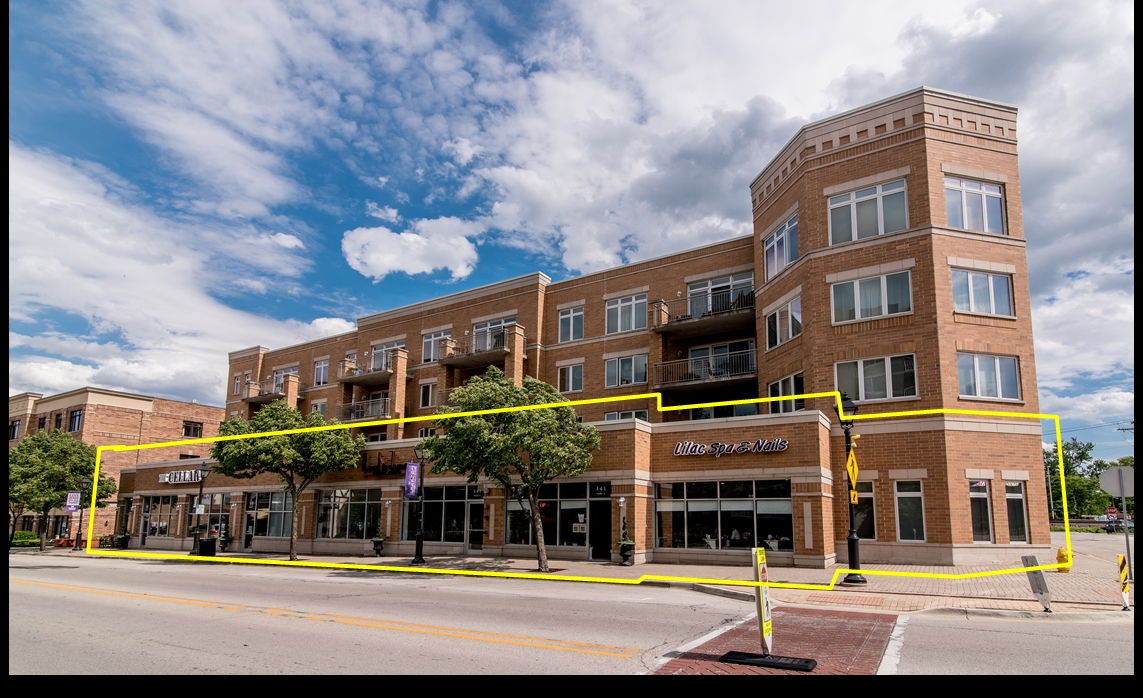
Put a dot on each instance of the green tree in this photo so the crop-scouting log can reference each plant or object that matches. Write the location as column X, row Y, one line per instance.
column 44, row 467
column 297, row 459
column 1077, row 458
column 518, row 450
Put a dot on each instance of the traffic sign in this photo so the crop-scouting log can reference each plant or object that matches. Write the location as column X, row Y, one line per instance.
column 762, row 599
column 1118, row 481
column 851, row 468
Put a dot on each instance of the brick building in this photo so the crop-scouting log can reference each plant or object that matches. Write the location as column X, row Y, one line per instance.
column 104, row 418
column 888, row 261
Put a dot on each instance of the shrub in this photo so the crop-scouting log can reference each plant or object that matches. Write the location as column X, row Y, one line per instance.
column 26, row 539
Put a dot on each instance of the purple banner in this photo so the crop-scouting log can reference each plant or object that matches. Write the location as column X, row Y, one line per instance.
column 72, row 501
column 412, row 480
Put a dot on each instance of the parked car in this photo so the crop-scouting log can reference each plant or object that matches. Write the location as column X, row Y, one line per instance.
column 1117, row 526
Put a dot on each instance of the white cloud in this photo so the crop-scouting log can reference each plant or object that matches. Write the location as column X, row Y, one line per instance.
column 441, row 243
column 385, row 213
column 1095, row 407
column 289, row 242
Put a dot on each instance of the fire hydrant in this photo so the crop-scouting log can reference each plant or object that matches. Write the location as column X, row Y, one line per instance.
column 1062, row 560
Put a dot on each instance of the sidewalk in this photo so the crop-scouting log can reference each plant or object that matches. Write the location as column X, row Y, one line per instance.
column 1091, row 585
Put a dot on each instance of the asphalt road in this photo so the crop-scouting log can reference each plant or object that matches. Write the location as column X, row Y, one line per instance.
column 100, row 616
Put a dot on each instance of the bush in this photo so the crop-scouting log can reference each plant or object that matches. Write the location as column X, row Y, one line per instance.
column 1079, row 529
column 26, row 539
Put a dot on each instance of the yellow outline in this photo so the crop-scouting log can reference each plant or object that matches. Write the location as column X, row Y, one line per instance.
column 658, row 397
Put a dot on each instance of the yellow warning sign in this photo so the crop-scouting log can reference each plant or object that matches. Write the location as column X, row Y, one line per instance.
column 853, row 496
column 851, row 468
column 762, row 599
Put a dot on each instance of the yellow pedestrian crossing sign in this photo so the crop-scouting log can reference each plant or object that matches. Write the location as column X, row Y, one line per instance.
column 853, row 496
column 851, row 468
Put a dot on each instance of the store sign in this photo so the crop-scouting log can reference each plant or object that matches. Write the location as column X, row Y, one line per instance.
column 717, row 449
column 181, row 477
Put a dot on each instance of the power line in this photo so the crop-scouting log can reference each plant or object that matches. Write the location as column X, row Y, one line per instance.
column 1094, row 426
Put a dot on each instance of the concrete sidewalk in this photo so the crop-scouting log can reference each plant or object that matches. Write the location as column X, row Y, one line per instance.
column 1091, row 585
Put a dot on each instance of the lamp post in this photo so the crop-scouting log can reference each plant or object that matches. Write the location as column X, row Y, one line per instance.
column 849, row 409
column 203, row 469
column 84, row 493
column 419, row 557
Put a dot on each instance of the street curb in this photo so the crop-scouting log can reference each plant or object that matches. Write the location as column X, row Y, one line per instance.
column 1078, row 616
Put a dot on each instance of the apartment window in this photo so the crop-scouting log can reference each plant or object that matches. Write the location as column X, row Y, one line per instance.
column 41, row 423
column 247, row 377
column 320, row 408
column 784, row 324
column 192, row 430
column 571, row 378
column 59, row 420
column 237, row 383
column 863, row 512
column 571, row 324
column 426, row 432
column 632, row 414
column 790, row 385
column 723, row 411
column 981, row 375
column 974, row 205
column 736, row 514
column 978, row 502
column 713, row 361
column 863, row 299
column 781, row 248
column 976, row 292
column 445, row 513
column 374, row 438
column 878, row 379
column 75, row 420
column 624, row 314
column 13, row 430
column 351, row 514
column 321, row 372
column 491, row 335
column 867, row 213
column 720, row 295
column 431, row 345
column 625, row 371
column 280, row 378
column 427, row 391
column 269, row 514
column 383, row 355
column 910, row 510
column 1017, row 515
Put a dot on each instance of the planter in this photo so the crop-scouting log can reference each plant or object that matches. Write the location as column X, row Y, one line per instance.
column 378, row 546
column 625, row 552
column 223, row 543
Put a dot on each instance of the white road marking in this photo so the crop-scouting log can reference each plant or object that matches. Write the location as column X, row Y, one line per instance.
column 892, row 656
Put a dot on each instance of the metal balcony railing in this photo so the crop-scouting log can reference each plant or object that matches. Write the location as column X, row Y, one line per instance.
column 479, row 347
column 739, row 364
column 702, row 306
column 268, row 389
column 380, row 362
column 366, row 409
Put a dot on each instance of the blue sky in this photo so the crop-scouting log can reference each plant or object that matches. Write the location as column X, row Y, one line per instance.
column 188, row 179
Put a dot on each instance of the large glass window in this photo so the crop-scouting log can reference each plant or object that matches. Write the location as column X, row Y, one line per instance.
column 625, row 371
column 492, row 334
column 631, row 414
column 444, row 513
column 910, row 510
column 974, row 205
column 280, row 378
column 863, row 512
column 431, row 345
column 563, row 515
column 784, row 324
column 976, row 292
column 353, row 514
column 721, row 361
column 571, row 324
column 781, row 248
column 878, row 379
column 625, row 314
column 978, row 502
column 269, row 514
column 868, row 212
column 383, row 355
column 571, row 378
column 790, row 385
column 720, row 295
column 725, row 515
column 75, row 420
column 1017, row 513
column 321, row 372
column 215, row 514
column 159, row 515
column 874, row 297
column 980, row 375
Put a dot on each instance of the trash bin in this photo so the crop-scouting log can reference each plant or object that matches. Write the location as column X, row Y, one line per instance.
column 206, row 547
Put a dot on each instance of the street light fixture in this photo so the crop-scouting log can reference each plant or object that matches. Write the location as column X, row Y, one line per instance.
column 419, row 557
column 849, row 409
column 203, row 469
column 84, row 494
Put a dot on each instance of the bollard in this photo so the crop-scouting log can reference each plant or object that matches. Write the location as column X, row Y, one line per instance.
column 1062, row 559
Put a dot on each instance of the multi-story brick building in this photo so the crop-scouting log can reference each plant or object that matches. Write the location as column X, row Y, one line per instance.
column 887, row 261
column 104, row 418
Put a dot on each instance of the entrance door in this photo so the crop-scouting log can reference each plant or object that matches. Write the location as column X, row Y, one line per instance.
column 599, row 529
column 475, row 527
column 248, row 531
column 143, row 527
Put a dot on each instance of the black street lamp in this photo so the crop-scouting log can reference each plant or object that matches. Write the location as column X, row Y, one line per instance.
column 849, row 409
column 84, row 493
column 203, row 469
column 419, row 557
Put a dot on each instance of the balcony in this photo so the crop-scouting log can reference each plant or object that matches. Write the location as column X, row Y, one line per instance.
column 266, row 391
column 366, row 409
column 708, row 371
column 481, row 349
column 376, row 370
column 709, row 313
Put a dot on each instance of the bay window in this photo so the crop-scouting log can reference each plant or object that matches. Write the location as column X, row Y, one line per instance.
column 784, row 324
column 781, row 248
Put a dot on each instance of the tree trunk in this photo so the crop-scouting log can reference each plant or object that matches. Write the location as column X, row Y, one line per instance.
column 538, row 530
column 12, row 533
column 293, row 490
column 44, row 529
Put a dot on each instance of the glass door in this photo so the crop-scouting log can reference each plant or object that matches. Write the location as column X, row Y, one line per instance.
column 475, row 527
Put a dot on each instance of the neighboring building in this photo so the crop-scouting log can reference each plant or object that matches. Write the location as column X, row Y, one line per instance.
column 888, row 261
column 104, row 418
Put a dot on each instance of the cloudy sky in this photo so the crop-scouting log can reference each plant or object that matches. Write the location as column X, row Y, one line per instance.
column 188, row 179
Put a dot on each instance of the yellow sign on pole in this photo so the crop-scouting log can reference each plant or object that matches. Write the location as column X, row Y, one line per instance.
column 851, row 468
column 1125, row 584
column 762, row 600
column 853, row 496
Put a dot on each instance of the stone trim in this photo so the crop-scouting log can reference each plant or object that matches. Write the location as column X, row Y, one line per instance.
column 571, row 362
column 1015, row 475
column 944, row 423
column 866, row 181
column 439, row 328
column 719, row 272
column 279, row 367
column 875, row 270
column 981, row 266
column 387, row 340
column 628, row 292
column 979, row 474
column 572, row 304
column 949, row 168
column 784, row 299
column 626, row 352
column 427, row 381
column 909, row 474
column 496, row 316
column 867, row 475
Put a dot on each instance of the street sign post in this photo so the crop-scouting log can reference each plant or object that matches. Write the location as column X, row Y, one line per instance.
column 1037, row 582
column 1125, row 585
column 1120, row 482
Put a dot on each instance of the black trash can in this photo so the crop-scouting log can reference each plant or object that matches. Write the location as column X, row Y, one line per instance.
column 206, row 547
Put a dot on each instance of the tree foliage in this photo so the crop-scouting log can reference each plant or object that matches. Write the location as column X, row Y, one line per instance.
column 43, row 468
column 1085, row 497
column 518, row 450
column 297, row 459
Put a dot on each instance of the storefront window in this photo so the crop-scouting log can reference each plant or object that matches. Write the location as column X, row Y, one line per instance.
column 444, row 513
column 863, row 517
column 726, row 515
column 910, row 510
column 981, row 514
column 269, row 514
column 352, row 514
column 563, row 514
column 159, row 515
column 1017, row 520
column 215, row 515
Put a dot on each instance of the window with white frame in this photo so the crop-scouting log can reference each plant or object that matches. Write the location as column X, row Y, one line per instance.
column 863, row 512
column 431, row 345
column 426, row 432
column 1017, row 513
column 910, row 510
column 492, row 334
column 723, row 411
column 571, row 378
column 321, row 372
column 75, row 420
column 720, row 295
column 790, row 385
column 879, row 378
column 981, row 511
column 625, row 371
column 877, row 296
column 625, row 314
column 237, row 384
column 784, row 324
column 868, row 212
column 427, row 392
column 383, row 355
column 974, row 205
column 280, row 377
column 571, row 324
column 781, row 248
column 319, row 407
column 630, row 414
column 13, row 430
column 982, row 375
column 978, row 292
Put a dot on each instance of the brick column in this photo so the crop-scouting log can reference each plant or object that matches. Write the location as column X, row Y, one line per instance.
column 290, row 388
column 397, row 387
column 514, row 361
